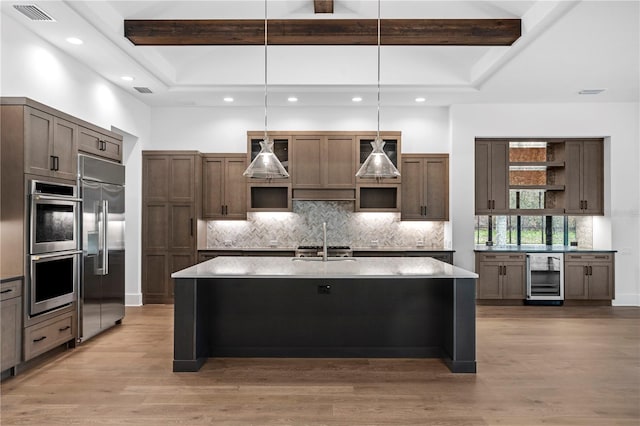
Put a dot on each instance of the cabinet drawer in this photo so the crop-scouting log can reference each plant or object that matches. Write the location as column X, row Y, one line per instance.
column 501, row 257
column 47, row 335
column 590, row 257
column 10, row 289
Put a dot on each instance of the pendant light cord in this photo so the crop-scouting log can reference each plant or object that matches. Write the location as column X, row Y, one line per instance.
column 265, row 71
column 378, row 130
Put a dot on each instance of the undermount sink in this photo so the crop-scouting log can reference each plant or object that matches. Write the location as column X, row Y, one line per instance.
column 329, row 259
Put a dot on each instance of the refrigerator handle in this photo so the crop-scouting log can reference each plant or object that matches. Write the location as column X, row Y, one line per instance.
column 105, row 238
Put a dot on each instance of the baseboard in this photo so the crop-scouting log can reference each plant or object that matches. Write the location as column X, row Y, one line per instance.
column 627, row 299
column 133, row 299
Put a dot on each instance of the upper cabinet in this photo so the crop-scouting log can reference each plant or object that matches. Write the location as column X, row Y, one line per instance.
column 391, row 147
column 224, row 187
column 281, row 148
column 585, row 175
column 425, row 187
column 323, row 161
column 50, row 145
column 536, row 177
column 99, row 144
column 492, row 177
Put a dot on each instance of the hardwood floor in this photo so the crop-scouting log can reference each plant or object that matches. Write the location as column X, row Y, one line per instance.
column 536, row 365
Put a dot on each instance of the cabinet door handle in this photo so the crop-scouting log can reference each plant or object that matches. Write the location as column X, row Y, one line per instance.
column 226, row 210
column 493, row 204
column 590, row 270
column 488, row 204
column 586, row 204
column 221, row 210
column 64, row 328
column 586, row 270
column 57, row 162
column 40, row 339
column 9, row 290
column 425, row 210
column 53, row 162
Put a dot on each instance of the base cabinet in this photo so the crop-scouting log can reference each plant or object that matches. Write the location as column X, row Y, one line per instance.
column 11, row 326
column 501, row 276
column 589, row 276
column 46, row 335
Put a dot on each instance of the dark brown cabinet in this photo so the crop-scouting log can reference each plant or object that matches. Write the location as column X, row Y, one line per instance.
column 51, row 145
column 425, row 187
column 589, row 276
column 491, row 177
column 11, row 332
column 224, row 188
column 584, row 193
column 99, row 144
column 323, row 161
column 501, row 276
column 170, row 206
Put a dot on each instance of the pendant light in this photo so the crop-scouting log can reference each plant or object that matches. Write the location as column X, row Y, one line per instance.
column 378, row 165
column 266, row 165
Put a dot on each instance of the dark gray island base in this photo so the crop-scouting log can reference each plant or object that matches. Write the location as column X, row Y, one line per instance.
column 243, row 307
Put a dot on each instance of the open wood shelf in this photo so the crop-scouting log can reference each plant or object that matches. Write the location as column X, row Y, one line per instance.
column 542, row 187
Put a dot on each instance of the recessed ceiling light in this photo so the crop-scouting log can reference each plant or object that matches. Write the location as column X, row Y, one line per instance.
column 127, row 78
column 420, row 99
column 74, row 40
column 591, row 91
column 356, row 99
column 292, row 99
column 228, row 99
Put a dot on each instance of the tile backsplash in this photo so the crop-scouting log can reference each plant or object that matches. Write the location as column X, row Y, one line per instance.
column 303, row 226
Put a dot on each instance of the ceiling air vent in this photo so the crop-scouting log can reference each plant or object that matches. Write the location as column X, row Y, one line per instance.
column 33, row 12
column 143, row 89
column 591, row 91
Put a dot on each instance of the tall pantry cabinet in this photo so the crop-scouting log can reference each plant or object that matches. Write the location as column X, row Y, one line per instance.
column 170, row 219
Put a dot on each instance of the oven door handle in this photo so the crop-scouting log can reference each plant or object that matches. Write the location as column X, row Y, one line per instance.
column 57, row 254
column 105, row 238
column 54, row 198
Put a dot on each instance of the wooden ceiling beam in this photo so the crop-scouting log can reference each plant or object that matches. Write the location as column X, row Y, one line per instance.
column 323, row 6
column 398, row 32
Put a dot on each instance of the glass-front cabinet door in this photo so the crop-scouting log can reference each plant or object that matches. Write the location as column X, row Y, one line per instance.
column 391, row 148
column 281, row 145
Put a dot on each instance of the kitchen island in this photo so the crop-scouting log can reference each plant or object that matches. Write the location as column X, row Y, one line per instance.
column 342, row 307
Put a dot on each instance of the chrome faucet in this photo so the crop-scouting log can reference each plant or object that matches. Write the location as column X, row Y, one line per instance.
column 324, row 241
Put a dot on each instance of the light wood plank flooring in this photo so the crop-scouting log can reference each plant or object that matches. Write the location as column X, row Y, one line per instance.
column 536, row 365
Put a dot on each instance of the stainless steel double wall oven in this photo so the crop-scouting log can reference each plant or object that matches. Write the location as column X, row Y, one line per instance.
column 54, row 245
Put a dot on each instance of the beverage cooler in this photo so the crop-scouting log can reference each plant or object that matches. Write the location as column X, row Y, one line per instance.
column 545, row 276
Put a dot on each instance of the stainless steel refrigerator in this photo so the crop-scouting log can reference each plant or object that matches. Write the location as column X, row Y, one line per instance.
column 101, row 294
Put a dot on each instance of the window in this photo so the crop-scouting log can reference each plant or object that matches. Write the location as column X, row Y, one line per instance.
column 517, row 230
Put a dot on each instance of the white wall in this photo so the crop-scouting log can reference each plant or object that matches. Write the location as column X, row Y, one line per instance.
column 619, row 229
column 33, row 68
column 224, row 129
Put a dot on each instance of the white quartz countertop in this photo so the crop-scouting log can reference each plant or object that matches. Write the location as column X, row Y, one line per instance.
column 279, row 267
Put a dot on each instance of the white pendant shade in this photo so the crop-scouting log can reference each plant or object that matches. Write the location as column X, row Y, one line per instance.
column 266, row 165
column 378, row 164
